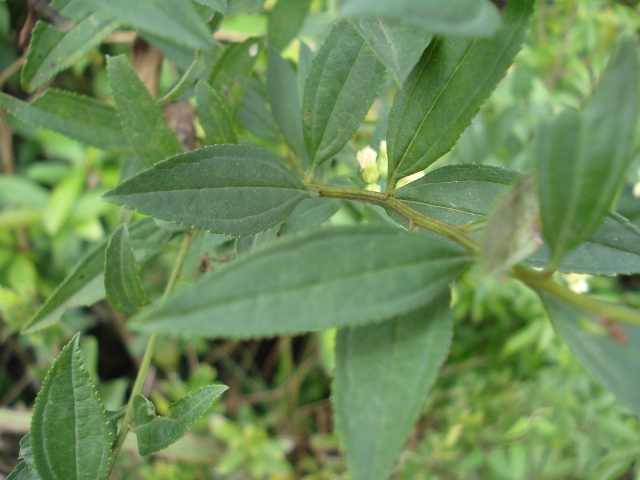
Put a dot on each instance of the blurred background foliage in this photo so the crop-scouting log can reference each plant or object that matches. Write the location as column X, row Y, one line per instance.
column 511, row 403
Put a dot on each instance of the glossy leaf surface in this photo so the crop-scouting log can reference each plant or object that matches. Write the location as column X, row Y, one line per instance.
column 445, row 90
column 398, row 45
column 580, row 153
column 613, row 359
column 141, row 117
column 468, row 18
column 329, row 277
column 78, row 117
column 214, row 116
column 69, row 433
column 232, row 189
column 382, row 378
column 121, row 281
column 156, row 433
column 340, row 87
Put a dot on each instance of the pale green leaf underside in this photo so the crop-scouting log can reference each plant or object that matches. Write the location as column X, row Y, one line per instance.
column 69, row 433
column 461, row 194
column 174, row 20
column 81, row 118
column 141, row 117
column 121, row 281
column 382, row 378
column 580, row 153
column 340, row 87
column 399, row 45
column 23, row 472
column 231, row 189
column 445, row 90
column 613, row 365
column 467, row 18
column 157, row 433
column 214, row 116
column 52, row 50
column 329, row 277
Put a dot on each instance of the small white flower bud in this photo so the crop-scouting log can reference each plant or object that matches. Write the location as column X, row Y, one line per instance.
column 367, row 160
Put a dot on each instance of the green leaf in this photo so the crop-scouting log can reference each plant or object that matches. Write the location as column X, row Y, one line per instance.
column 141, row 117
column 196, row 71
column 328, row 277
column 341, row 86
column 305, row 59
column 23, row 472
column 77, row 117
column 382, row 378
column 461, row 194
column 613, row 360
column 232, row 189
column 156, row 433
column 174, row 20
column 255, row 115
column 445, row 90
column 26, row 450
column 214, row 116
column 52, row 50
column 310, row 213
column 284, row 98
column 512, row 233
column 231, row 72
column 217, row 5
column 583, row 153
column 398, row 45
column 466, row 18
column 69, row 433
column 85, row 283
column 285, row 21
column 121, row 281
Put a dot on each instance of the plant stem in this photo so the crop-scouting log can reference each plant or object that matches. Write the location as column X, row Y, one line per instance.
column 148, row 356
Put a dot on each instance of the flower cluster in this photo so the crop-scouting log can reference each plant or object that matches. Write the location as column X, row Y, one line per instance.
column 373, row 165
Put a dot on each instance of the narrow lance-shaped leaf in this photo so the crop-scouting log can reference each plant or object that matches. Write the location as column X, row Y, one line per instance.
column 284, row 98
column 214, row 116
column 255, row 115
column 445, row 90
column 141, row 117
column 382, row 378
column 329, row 277
column 156, row 433
column 285, row 21
column 612, row 357
column 232, row 189
column 121, row 281
column 583, row 153
column 467, row 18
column 78, row 117
column 399, row 45
column 462, row 194
column 342, row 84
column 175, row 20
column 69, row 433
column 305, row 59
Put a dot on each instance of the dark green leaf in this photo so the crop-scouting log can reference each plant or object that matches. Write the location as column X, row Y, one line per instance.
column 214, row 116
column 141, row 117
column 341, row 86
column 231, row 72
column 156, row 433
column 329, row 277
column 255, row 114
column 305, row 59
column 581, row 154
column 310, row 213
column 70, row 436
column 284, row 99
column 613, row 359
column 121, row 281
column 52, row 50
column 233, row 189
column 467, row 18
column 382, row 378
column 248, row 243
column 175, row 20
column 217, row 5
column 77, row 117
column 445, row 90
column 512, row 233
column 23, row 472
column 285, row 21
column 398, row 45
